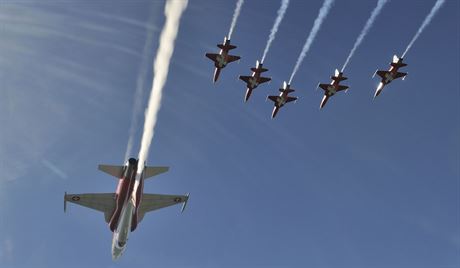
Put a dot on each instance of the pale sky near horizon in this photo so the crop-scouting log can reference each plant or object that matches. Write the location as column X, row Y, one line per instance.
column 361, row 183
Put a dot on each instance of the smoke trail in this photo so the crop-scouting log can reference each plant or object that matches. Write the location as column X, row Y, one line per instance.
column 279, row 18
column 235, row 17
column 173, row 12
column 324, row 10
column 365, row 30
column 138, row 95
column 425, row 23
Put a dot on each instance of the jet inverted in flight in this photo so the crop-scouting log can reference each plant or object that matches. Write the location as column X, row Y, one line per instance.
column 125, row 208
column 223, row 58
column 391, row 74
column 333, row 87
column 282, row 98
column 255, row 79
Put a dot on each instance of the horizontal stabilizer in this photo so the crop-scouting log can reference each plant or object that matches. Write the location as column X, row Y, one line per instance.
column 153, row 171
column 260, row 70
column 116, row 171
column 398, row 65
column 228, row 47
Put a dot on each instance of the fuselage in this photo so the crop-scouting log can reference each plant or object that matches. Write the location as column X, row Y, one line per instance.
column 125, row 216
column 221, row 62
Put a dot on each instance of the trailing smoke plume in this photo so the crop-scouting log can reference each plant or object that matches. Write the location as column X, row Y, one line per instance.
column 425, row 23
column 365, row 30
column 173, row 12
column 235, row 17
column 138, row 95
column 279, row 18
column 324, row 10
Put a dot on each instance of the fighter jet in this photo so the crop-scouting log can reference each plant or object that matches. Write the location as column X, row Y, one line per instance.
column 333, row 87
column 223, row 58
column 390, row 75
column 282, row 98
column 125, row 208
column 255, row 79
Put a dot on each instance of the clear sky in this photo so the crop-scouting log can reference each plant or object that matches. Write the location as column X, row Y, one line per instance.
column 361, row 183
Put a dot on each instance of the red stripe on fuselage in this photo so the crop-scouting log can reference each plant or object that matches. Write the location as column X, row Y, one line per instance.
column 124, row 190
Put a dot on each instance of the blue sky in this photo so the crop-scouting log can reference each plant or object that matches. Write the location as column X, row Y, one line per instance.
column 362, row 183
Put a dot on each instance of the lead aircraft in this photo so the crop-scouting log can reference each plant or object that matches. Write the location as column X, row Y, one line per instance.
column 223, row 58
column 124, row 209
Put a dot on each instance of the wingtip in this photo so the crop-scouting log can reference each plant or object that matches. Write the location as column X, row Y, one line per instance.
column 185, row 202
column 65, row 202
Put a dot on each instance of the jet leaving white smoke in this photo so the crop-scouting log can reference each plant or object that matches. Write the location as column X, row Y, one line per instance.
column 365, row 30
column 425, row 23
column 138, row 95
column 173, row 12
column 279, row 18
column 235, row 17
column 324, row 10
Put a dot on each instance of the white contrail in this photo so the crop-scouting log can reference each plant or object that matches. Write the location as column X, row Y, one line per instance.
column 279, row 18
column 173, row 12
column 140, row 84
column 324, row 10
column 235, row 17
column 425, row 23
column 365, row 30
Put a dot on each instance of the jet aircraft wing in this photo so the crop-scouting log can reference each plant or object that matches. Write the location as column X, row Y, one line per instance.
column 152, row 202
column 245, row 78
column 340, row 88
column 324, row 86
column 264, row 80
column 156, row 201
column 273, row 98
column 382, row 73
column 212, row 56
column 104, row 202
column 398, row 75
column 231, row 58
column 289, row 99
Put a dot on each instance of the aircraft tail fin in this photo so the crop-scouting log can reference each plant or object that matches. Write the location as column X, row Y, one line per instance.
column 395, row 59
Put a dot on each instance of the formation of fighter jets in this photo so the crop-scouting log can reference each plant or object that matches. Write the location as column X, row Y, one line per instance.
column 223, row 58
column 124, row 209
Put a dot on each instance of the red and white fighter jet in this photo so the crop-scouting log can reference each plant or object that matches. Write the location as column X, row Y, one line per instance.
column 333, row 87
column 390, row 75
column 223, row 58
column 125, row 208
column 255, row 79
column 282, row 98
